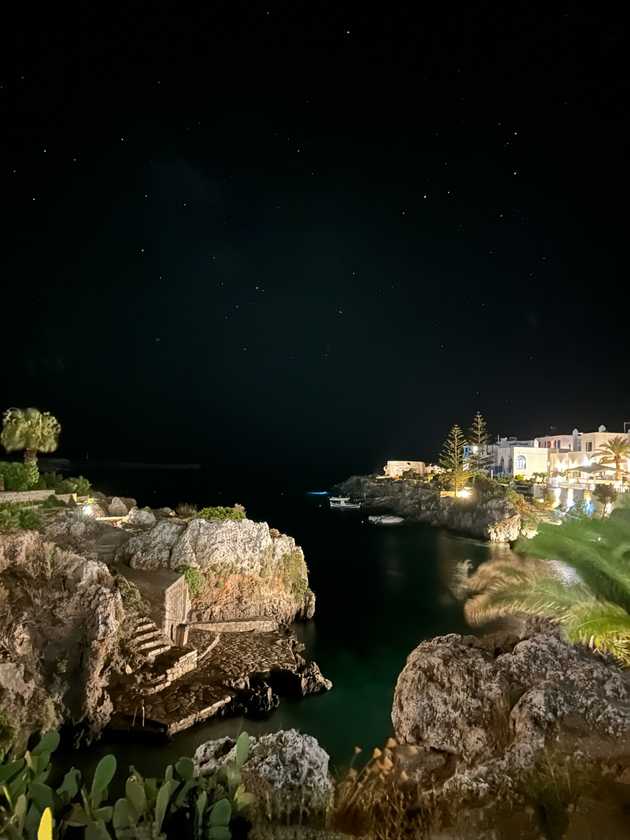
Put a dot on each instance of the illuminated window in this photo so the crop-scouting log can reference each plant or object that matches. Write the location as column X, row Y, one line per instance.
column 521, row 463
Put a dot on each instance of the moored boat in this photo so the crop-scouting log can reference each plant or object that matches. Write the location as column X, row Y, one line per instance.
column 343, row 503
column 385, row 520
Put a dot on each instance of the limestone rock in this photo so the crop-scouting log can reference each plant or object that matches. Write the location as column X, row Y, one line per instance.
column 117, row 507
column 286, row 771
column 74, row 530
column 248, row 573
column 308, row 609
column 497, row 708
column 152, row 549
column 496, row 520
column 164, row 512
column 139, row 518
column 60, row 616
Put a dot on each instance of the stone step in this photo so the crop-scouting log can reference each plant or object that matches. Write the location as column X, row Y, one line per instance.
column 146, row 635
column 153, row 649
column 142, row 624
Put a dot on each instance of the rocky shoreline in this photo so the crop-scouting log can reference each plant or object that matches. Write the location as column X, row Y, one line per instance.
column 492, row 519
column 149, row 623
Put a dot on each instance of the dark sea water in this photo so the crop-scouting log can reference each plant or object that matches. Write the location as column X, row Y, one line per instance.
column 380, row 591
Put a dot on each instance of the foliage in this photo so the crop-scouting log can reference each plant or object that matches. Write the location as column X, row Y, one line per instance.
column 31, row 430
column 14, row 517
column 587, row 593
column 16, row 476
column 295, row 573
column 52, row 502
column 186, row 510
column 452, row 458
column 488, row 488
column 479, row 459
column 237, row 513
column 371, row 802
column 605, row 493
column 151, row 808
column 55, row 481
column 614, row 451
column 194, row 579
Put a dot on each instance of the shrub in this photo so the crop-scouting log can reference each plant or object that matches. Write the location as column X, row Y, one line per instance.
column 55, row 481
column 16, row 476
column 219, row 512
column 488, row 488
column 194, row 578
column 52, row 502
column 186, row 510
column 17, row 517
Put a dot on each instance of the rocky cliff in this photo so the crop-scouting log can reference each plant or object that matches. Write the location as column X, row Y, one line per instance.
column 60, row 617
column 491, row 723
column 493, row 519
column 247, row 570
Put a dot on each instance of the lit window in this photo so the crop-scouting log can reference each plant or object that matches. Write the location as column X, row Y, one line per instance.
column 521, row 463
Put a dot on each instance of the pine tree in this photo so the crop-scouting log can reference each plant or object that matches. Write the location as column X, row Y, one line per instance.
column 452, row 458
column 479, row 459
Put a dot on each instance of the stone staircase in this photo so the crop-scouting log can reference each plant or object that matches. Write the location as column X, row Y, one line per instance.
column 148, row 640
column 108, row 544
column 165, row 662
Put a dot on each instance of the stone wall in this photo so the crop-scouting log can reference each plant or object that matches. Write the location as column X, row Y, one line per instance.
column 33, row 496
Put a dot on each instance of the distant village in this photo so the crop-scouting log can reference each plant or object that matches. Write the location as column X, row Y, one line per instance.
column 570, row 465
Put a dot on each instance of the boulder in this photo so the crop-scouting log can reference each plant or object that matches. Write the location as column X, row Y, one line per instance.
column 117, row 507
column 77, row 531
column 152, row 549
column 286, row 771
column 139, row 518
column 496, row 709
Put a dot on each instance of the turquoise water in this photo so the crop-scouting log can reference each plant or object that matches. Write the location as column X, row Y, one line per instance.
column 380, row 591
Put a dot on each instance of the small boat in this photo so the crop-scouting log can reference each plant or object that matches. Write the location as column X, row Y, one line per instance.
column 343, row 503
column 385, row 520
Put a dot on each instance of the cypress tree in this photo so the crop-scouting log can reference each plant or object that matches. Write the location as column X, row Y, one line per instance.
column 479, row 458
column 452, row 457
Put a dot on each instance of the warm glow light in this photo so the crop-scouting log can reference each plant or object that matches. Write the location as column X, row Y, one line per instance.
column 475, row 449
column 464, row 493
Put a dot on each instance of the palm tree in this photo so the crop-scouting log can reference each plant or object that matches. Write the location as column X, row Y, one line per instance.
column 31, row 430
column 614, row 451
column 577, row 575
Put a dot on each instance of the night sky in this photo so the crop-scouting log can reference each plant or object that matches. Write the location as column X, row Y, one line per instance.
column 295, row 234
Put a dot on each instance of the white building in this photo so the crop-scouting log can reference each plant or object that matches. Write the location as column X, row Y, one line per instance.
column 511, row 456
column 396, row 469
column 574, row 457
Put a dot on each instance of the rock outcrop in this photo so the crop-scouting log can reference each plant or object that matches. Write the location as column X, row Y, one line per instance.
column 493, row 519
column 248, row 571
column 60, row 617
column 485, row 717
column 286, row 771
